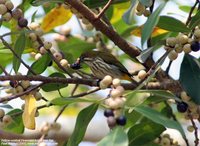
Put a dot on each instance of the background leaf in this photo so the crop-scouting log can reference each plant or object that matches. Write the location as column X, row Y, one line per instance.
column 195, row 20
column 19, row 48
column 172, row 24
column 128, row 15
column 150, row 24
column 82, row 121
column 39, row 2
column 76, row 47
column 41, row 64
column 54, row 86
column 145, row 132
column 116, row 137
column 57, row 16
column 99, row 3
column 157, row 117
column 190, row 77
column 137, row 97
column 16, row 126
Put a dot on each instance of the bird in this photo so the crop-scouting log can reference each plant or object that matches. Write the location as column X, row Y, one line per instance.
column 102, row 64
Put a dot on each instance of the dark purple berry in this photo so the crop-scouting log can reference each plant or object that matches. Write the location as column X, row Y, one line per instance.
column 75, row 66
column 121, row 120
column 13, row 83
column 195, row 46
column 22, row 22
column 182, row 107
column 111, row 122
column 108, row 113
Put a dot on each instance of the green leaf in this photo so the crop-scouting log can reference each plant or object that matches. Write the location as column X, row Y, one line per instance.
column 74, row 46
column 41, row 64
column 6, row 106
column 172, row 24
column 137, row 97
column 19, row 48
column 64, row 101
column 116, row 137
column 146, row 3
column 187, row 9
column 54, row 86
column 145, row 132
column 100, row 3
column 157, row 117
column 128, row 15
column 190, row 77
column 195, row 20
column 39, row 2
column 16, row 126
column 82, row 121
column 151, row 23
column 33, row 16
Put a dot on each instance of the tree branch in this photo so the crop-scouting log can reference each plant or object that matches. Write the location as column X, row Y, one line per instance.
column 166, row 84
column 129, row 49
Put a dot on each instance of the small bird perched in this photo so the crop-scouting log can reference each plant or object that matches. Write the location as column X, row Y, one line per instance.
column 102, row 64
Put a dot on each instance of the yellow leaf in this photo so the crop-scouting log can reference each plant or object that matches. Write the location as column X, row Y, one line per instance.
column 28, row 115
column 55, row 17
column 118, row 11
column 157, row 31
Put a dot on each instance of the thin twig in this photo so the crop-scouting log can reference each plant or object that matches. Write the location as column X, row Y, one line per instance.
column 2, row 68
column 74, row 89
column 168, row 67
column 54, row 59
column 190, row 13
column 151, row 10
column 60, row 113
column 85, row 93
column 2, row 99
column 104, row 9
column 196, row 142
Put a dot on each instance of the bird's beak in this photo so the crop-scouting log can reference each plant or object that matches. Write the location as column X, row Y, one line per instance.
column 77, row 64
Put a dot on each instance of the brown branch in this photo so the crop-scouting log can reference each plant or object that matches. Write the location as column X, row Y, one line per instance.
column 129, row 49
column 191, row 11
column 60, row 112
column 2, row 68
column 196, row 142
column 166, row 84
column 104, row 9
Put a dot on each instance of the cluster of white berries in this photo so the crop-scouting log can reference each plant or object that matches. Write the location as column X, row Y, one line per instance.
column 43, row 46
column 166, row 140
column 46, row 127
column 7, row 12
column 115, row 101
column 4, row 119
column 142, row 10
column 182, row 43
column 17, row 87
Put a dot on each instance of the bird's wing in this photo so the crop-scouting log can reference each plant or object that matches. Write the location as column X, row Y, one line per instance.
column 113, row 60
